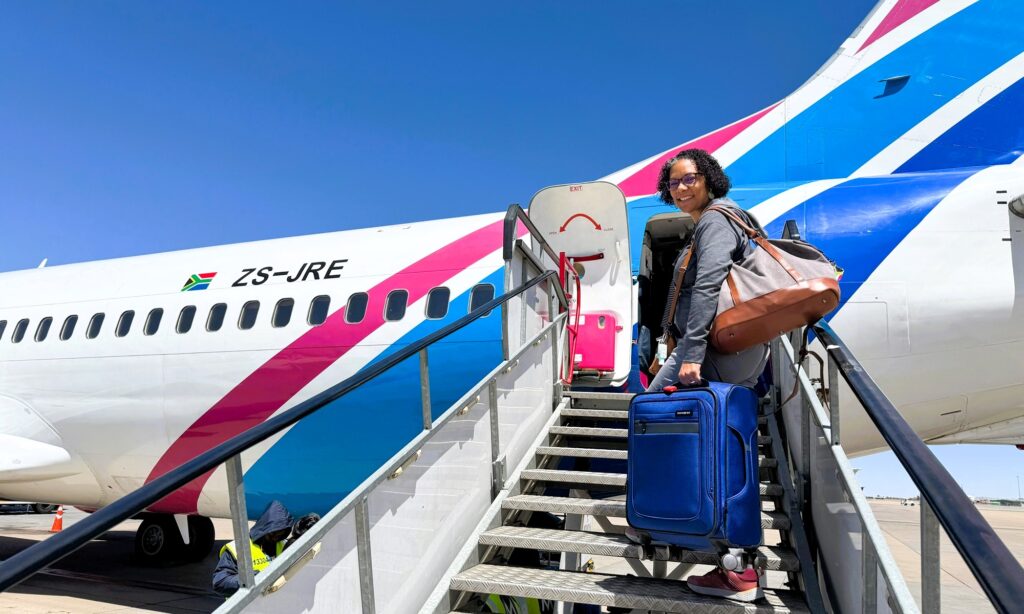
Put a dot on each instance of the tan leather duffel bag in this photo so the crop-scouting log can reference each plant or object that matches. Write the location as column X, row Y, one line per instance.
column 782, row 286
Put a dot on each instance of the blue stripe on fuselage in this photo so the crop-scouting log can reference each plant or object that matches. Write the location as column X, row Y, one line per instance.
column 846, row 128
column 858, row 223
column 323, row 457
column 992, row 134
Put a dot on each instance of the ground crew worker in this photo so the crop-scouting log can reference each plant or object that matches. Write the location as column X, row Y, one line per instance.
column 266, row 542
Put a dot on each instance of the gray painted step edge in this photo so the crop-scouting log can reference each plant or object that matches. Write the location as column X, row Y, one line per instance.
column 609, row 544
column 608, row 590
column 605, row 507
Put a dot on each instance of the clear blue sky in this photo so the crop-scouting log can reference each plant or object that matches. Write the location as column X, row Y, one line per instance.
column 138, row 127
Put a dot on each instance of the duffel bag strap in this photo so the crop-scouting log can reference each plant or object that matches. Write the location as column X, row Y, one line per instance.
column 762, row 242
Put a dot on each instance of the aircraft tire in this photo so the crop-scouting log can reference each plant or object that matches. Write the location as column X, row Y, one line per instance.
column 44, row 508
column 158, row 540
column 201, row 537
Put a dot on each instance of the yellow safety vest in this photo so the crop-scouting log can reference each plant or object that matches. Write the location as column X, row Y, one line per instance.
column 513, row 605
column 260, row 560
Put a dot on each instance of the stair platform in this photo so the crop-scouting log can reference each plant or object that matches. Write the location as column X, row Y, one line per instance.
column 610, row 544
column 608, row 590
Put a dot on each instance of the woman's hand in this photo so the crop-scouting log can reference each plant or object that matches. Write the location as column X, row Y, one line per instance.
column 689, row 373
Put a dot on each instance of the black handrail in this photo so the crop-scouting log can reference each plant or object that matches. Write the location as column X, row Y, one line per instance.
column 996, row 569
column 49, row 551
column 516, row 213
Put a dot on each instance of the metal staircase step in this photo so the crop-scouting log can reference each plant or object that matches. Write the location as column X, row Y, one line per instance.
column 609, row 590
column 581, row 452
column 599, row 400
column 606, row 507
column 575, row 477
column 595, row 414
column 608, row 544
column 566, row 505
column 775, row 520
column 769, row 490
column 555, row 540
column 586, row 431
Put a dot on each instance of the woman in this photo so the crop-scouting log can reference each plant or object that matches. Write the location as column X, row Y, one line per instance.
column 693, row 181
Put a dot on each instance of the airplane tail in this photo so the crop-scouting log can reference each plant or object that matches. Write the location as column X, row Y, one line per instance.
column 920, row 85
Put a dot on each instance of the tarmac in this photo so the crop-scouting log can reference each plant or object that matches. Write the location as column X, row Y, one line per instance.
column 102, row 577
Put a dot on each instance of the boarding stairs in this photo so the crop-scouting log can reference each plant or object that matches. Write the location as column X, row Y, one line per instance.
column 593, row 562
column 517, row 489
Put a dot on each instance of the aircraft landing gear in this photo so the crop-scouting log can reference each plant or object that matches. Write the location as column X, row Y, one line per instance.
column 158, row 540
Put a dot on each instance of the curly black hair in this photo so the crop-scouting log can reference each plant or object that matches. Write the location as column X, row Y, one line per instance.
column 714, row 177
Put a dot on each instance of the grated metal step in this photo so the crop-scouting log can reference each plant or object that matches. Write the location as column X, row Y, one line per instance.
column 609, row 544
column 595, row 414
column 606, row 507
column 566, row 505
column 599, row 400
column 608, row 590
column 582, row 452
column 575, row 477
column 587, row 431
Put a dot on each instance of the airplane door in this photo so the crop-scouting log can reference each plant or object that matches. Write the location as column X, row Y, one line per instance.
column 587, row 222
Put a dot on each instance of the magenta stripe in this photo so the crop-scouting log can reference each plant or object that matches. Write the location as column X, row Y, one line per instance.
column 904, row 10
column 645, row 180
column 279, row 379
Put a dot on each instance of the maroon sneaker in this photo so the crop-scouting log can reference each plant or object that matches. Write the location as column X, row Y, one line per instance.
column 728, row 584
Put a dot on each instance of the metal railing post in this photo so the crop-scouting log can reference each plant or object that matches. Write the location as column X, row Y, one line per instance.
column 504, row 313
column 428, row 418
column 240, row 521
column 833, row 398
column 363, row 554
column 522, row 306
column 497, row 463
column 869, row 570
column 806, row 436
column 931, row 578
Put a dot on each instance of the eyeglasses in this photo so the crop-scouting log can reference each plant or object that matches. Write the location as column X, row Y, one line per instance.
column 688, row 180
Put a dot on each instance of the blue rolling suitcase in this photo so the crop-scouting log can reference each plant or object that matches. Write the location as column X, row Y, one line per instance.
column 692, row 467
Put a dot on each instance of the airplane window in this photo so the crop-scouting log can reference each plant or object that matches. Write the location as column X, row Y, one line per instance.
column 124, row 323
column 282, row 313
column 95, row 324
column 247, row 319
column 19, row 331
column 437, row 303
column 44, row 328
column 394, row 308
column 185, row 318
column 216, row 318
column 318, row 309
column 68, row 329
column 356, row 309
column 3, row 327
column 481, row 294
column 153, row 321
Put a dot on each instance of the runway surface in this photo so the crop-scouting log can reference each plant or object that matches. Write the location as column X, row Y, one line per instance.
column 102, row 578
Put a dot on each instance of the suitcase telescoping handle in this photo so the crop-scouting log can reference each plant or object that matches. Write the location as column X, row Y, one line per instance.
column 703, row 383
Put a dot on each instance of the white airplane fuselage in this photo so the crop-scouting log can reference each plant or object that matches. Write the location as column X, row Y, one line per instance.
column 880, row 180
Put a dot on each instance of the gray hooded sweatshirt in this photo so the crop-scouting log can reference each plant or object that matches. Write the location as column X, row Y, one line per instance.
column 719, row 243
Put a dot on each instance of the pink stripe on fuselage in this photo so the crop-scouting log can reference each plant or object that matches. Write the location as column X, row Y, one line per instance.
column 279, row 379
column 904, row 10
column 645, row 180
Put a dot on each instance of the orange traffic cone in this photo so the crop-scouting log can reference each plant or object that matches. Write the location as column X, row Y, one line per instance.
column 58, row 520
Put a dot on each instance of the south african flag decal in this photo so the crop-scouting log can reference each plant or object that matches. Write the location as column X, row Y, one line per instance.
column 198, row 282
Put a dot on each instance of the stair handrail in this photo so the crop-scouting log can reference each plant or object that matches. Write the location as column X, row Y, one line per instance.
column 991, row 562
column 31, row 560
column 513, row 216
